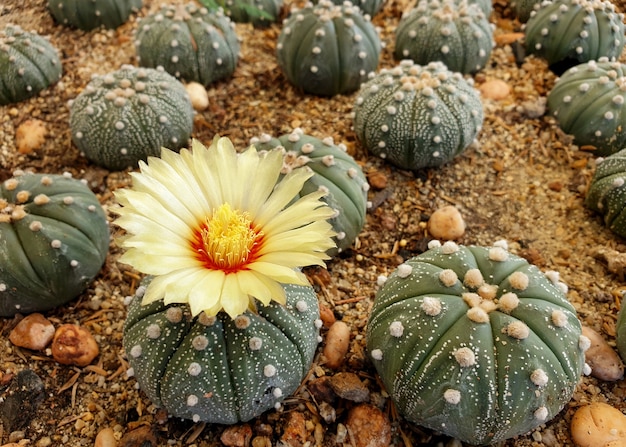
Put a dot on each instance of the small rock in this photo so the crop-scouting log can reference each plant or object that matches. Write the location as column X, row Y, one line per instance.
column 326, row 315
column 34, row 332
column 321, row 390
column 377, row 180
column 604, row 361
column 446, row 224
column 142, row 436
column 237, row 435
column 30, row 136
column 105, row 438
column 598, row 425
column 74, row 345
column 337, row 344
column 348, row 386
column 20, row 401
column 495, row 89
column 507, row 38
column 295, row 433
column 198, row 95
column 368, row 426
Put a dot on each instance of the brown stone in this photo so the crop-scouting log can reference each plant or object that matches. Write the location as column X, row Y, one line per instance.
column 295, row 433
column 495, row 89
column 74, row 345
column 30, row 136
column 368, row 426
column 337, row 344
column 604, row 361
column 34, row 332
column 347, row 385
column 446, row 224
column 237, row 435
column 598, row 425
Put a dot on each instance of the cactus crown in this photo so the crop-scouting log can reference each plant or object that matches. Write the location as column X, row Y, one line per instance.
column 607, row 192
column 368, row 7
column 88, row 15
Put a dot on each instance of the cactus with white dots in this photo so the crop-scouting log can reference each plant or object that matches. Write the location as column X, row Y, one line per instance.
column 523, row 8
column 588, row 102
column 129, row 114
column 607, row 192
column 54, row 239
column 367, row 7
column 335, row 171
column 328, row 49
column 88, row 15
column 218, row 369
column 28, row 64
column 475, row 342
column 417, row 116
column 189, row 42
column 569, row 32
column 261, row 13
column 458, row 34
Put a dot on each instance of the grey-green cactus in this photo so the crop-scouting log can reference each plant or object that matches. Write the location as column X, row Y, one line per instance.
column 189, row 42
column 88, row 15
column 588, row 102
column 523, row 8
column 328, row 49
column 220, row 370
column 54, row 238
column 367, row 7
column 130, row 114
column 475, row 342
column 458, row 34
column 260, row 13
column 417, row 116
column 607, row 192
column 569, row 32
column 335, row 171
column 28, row 64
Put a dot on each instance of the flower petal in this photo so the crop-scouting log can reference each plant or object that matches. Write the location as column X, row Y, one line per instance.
column 280, row 273
column 234, row 300
column 261, row 287
column 172, row 287
column 206, row 294
column 284, row 192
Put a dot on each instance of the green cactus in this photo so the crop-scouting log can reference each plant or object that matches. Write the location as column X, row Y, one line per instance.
column 607, row 192
column 458, row 34
column 570, row 32
column 88, row 15
column 588, row 102
column 219, row 369
column 476, row 343
column 523, row 8
column 261, row 13
column 130, row 114
column 367, row 7
column 54, row 238
column 417, row 116
column 335, row 171
column 189, row 42
column 327, row 49
column 28, row 64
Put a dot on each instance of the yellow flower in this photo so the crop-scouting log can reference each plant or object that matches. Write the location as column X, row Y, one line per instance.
column 216, row 229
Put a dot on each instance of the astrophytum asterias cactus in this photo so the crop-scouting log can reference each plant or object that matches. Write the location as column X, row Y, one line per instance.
column 87, row 15
column 219, row 369
column 129, row 114
column 588, row 102
column 458, row 34
column 189, row 42
column 54, row 238
column 569, row 32
column 328, row 49
column 523, row 8
column 607, row 192
column 335, row 171
column 260, row 13
column 475, row 342
column 28, row 64
column 367, row 7
column 417, row 116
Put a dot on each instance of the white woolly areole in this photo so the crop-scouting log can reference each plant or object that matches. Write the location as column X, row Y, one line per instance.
column 255, row 343
column 269, row 370
column 174, row 315
column 194, row 369
column 449, row 247
column 434, row 244
column 478, row 315
column 452, row 396
column 584, row 343
column 518, row 329
column 192, row 400
column 508, row 302
column 553, row 276
column 473, row 278
column 302, row 306
column 465, row 357
column 382, row 279
column 498, row 254
column 488, row 291
column 541, row 413
column 431, row 306
column 539, row 377
column 448, row 278
column 559, row 319
column 586, row 369
column 153, row 331
column 242, row 322
column 200, row 342
column 277, row 392
column 396, row 329
column 471, row 299
column 136, row 351
column 519, row 280
column 501, row 243
column 206, row 320
column 377, row 354
column 404, row 270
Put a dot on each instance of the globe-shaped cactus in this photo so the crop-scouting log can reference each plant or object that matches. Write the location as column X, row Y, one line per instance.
column 260, row 13
column 367, row 7
column 189, row 42
column 475, row 342
column 569, row 32
column 523, row 8
column 588, row 102
column 458, row 34
column 28, row 64
column 88, row 15
column 334, row 171
column 328, row 49
column 130, row 114
column 417, row 116
column 54, row 238
column 219, row 369
column 607, row 192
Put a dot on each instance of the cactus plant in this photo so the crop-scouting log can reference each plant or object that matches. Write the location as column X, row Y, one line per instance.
column 335, row 171
column 417, row 116
column 588, row 101
column 458, row 34
column 88, row 15
column 570, row 32
column 523, row 8
column 28, row 64
column 367, row 7
column 326, row 49
column 54, row 238
column 189, row 42
column 129, row 114
column 607, row 192
column 219, row 369
column 260, row 13
column 475, row 342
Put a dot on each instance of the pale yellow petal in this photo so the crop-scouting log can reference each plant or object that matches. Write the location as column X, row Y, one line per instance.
column 295, row 259
column 303, row 212
column 159, row 286
column 138, row 224
column 261, row 287
column 234, row 300
column 280, row 273
column 157, row 264
column 207, row 170
column 206, row 294
column 317, row 234
column 261, row 174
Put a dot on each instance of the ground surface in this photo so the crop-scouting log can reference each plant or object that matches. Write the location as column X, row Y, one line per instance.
column 523, row 182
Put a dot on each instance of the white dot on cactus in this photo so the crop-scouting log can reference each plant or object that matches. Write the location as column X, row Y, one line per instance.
column 541, row 413
column 200, row 342
column 519, row 280
column 318, row 323
column 174, row 140
column 616, row 183
column 174, row 59
column 518, row 330
column 384, row 128
column 194, row 369
column 119, row 125
column 452, row 396
column 431, row 306
column 377, row 354
column 91, row 208
column 68, row 200
column 130, row 372
column 362, row 55
column 478, row 315
column 583, row 87
column 277, row 393
column 481, row 53
column 174, row 315
column 396, row 329
column 316, row 50
column 584, row 343
column 269, row 370
column 508, row 302
column 328, row 160
column 448, row 277
column 255, row 343
column 473, row 278
column 608, row 115
column 79, row 135
column 381, row 279
column 586, row 369
column 35, row 225
column 3, row 287
column 449, row 247
column 136, row 351
column 358, row 38
column 74, row 263
column 192, row 400
column 153, row 331
column 195, row 418
column 55, row 243
column 445, row 49
column 242, row 322
column 302, row 306
column 404, row 270
column 539, row 377
column 341, row 236
column 465, row 357
column 352, row 173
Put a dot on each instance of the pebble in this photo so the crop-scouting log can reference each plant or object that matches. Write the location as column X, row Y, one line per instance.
column 105, row 438
column 198, row 95
column 507, row 38
column 321, row 390
column 295, row 433
column 74, row 345
column 347, row 385
column 368, row 426
column 327, row 316
column 598, row 425
column 237, row 435
column 34, row 332
column 377, row 180
column 495, row 89
column 142, row 436
column 30, row 136
column 337, row 344
column 20, row 401
column 604, row 361
column 446, row 224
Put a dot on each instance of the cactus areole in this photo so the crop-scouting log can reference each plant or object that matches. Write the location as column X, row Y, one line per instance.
column 475, row 342
column 54, row 238
column 88, row 15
